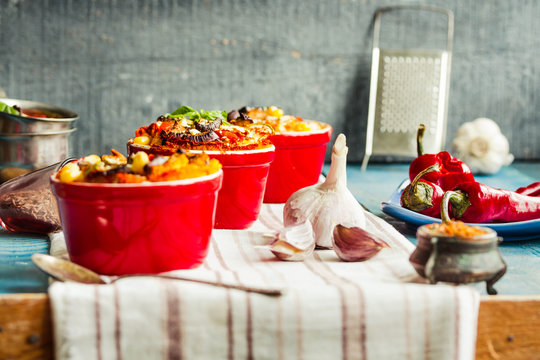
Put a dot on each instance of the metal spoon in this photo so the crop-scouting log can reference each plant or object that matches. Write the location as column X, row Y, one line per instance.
column 64, row 270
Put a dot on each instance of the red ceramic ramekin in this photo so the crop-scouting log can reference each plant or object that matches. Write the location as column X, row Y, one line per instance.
column 298, row 162
column 117, row 229
column 244, row 181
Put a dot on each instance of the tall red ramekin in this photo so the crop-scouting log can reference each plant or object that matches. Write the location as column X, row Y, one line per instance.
column 245, row 174
column 298, row 162
column 117, row 229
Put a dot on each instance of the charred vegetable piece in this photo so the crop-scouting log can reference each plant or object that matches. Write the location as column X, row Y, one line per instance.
column 185, row 136
column 239, row 118
column 207, row 126
column 233, row 115
column 201, row 138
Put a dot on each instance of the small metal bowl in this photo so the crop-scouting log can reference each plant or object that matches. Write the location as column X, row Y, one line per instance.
column 60, row 119
column 457, row 259
column 33, row 151
column 28, row 141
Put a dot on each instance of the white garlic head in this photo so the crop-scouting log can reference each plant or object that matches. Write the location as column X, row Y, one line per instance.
column 328, row 204
column 482, row 146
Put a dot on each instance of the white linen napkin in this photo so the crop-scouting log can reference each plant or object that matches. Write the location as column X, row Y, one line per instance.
column 377, row 309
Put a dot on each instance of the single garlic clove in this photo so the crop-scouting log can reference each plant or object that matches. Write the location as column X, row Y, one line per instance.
column 294, row 243
column 356, row 244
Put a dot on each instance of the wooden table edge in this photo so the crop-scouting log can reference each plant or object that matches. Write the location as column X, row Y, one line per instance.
column 508, row 327
column 25, row 326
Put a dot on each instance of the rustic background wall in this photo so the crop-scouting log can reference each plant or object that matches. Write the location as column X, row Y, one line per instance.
column 120, row 64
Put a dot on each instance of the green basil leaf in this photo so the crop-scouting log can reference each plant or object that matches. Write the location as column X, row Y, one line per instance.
column 212, row 115
column 183, row 110
column 8, row 109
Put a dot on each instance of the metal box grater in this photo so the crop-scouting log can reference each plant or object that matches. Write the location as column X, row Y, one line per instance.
column 408, row 87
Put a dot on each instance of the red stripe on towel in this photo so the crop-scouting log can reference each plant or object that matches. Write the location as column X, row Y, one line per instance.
column 343, row 305
column 117, row 331
column 65, row 309
column 299, row 329
column 407, row 320
column 427, row 345
column 269, row 219
column 266, row 280
column 278, row 219
column 174, row 321
column 457, row 320
column 98, row 323
column 263, row 260
column 267, row 223
column 230, row 323
column 362, row 306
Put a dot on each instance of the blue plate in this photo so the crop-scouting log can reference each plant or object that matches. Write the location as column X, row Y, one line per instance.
column 514, row 231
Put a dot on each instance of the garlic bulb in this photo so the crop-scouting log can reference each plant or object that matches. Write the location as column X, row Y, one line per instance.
column 294, row 243
column 328, row 204
column 355, row 244
column 482, row 146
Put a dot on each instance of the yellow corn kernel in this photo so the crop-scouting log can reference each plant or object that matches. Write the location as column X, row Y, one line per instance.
column 301, row 126
column 142, row 140
column 140, row 159
column 275, row 111
column 70, row 173
column 90, row 160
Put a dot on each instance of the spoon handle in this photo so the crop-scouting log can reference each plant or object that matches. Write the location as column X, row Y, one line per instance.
column 270, row 291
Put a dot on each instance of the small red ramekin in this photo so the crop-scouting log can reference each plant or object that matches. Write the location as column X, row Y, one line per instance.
column 244, row 181
column 117, row 229
column 298, row 162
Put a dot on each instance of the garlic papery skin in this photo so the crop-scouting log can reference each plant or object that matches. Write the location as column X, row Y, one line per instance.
column 482, row 146
column 356, row 244
column 294, row 243
column 327, row 204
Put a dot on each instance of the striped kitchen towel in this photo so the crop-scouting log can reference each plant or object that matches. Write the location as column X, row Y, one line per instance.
column 377, row 309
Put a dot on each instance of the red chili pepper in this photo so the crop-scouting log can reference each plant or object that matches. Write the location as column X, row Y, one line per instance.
column 478, row 203
column 423, row 196
column 530, row 190
column 452, row 171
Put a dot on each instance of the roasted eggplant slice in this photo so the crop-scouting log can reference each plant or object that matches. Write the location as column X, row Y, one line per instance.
column 205, row 125
column 233, row 115
column 198, row 138
column 239, row 118
column 201, row 138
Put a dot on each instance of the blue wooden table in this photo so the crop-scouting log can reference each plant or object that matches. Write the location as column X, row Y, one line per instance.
column 19, row 275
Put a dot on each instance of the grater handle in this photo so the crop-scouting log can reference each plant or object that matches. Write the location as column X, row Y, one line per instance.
column 448, row 13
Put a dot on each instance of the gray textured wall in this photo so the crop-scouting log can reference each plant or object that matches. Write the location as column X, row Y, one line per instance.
column 120, row 64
